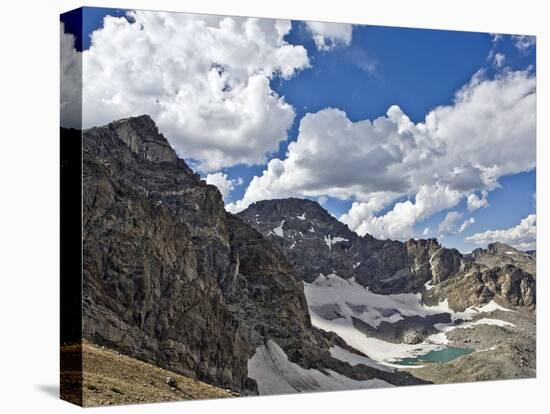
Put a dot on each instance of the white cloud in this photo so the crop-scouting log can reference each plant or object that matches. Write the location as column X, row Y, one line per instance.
column 523, row 42
column 224, row 184
column 71, row 87
column 522, row 236
column 475, row 202
column 399, row 222
column 426, row 231
column 467, row 223
column 449, row 224
column 328, row 35
column 498, row 59
column 488, row 132
column 205, row 80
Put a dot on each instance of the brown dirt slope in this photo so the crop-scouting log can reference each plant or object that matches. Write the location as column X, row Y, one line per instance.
column 110, row 378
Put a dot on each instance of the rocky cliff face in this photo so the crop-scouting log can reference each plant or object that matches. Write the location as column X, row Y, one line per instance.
column 155, row 242
column 498, row 254
column 171, row 278
column 314, row 242
column 478, row 284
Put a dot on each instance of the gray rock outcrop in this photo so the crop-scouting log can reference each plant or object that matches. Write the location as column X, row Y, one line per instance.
column 498, row 254
column 315, row 242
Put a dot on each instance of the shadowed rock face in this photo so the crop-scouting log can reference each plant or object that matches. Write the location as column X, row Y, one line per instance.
column 156, row 242
column 171, row 278
column 498, row 254
column 478, row 284
column 315, row 242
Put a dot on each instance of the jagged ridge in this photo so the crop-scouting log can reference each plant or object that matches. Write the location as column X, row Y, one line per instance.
column 171, row 278
column 315, row 242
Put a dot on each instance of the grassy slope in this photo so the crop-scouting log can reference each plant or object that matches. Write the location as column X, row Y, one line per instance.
column 111, row 378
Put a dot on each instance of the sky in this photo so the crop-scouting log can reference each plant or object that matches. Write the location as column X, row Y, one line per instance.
column 399, row 133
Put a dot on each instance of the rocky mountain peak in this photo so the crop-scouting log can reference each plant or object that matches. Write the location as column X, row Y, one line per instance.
column 171, row 278
column 501, row 248
column 317, row 243
column 291, row 207
column 500, row 254
column 144, row 139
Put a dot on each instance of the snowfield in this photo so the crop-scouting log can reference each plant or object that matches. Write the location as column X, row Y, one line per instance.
column 333, row 301
column 278, row 231
column 329, row 241
column 275, row 374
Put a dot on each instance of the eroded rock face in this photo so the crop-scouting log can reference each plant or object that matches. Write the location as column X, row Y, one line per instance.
column 171, row 278
column 477, row 284
column 155, row 242
column 314, row 242
column 498, row 254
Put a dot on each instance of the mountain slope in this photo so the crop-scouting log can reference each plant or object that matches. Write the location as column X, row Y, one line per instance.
column 498, row 254
column 314, row 242
column 110, row 378
column 172, row 279
column 396, row 301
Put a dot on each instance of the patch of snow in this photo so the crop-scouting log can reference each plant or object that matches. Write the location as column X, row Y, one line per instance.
column 311, row 229
column 356, row 265
column 510, row 252
column 279, row 230
column 292, row 245
column 486, row 321
column 302, row 217
column 354, row 300
column 428, row 286
column 488, row 308
column 275, row 374
column 330, row 241
column 381, row 351
column 355, row 359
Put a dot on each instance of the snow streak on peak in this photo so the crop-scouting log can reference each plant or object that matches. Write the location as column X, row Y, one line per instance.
column 330, row 241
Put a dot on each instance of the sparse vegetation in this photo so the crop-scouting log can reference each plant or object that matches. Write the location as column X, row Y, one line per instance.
column 110, row 378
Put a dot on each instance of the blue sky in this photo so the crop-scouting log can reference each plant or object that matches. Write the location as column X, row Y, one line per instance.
column 415, row 69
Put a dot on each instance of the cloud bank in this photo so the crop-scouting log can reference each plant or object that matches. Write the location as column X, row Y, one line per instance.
column 205, row 80
column 459, row 149
column 522, row 236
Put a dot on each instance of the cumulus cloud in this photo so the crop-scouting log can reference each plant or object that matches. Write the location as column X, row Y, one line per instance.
column 474, row 202
column 449, row 224
column 71, row 87
column 205, row 80
column 223, row 182
column 523, row 42
column 522, row 236
column 399, row 222
column 488, row 132
column 328, row 35
column 467, row 223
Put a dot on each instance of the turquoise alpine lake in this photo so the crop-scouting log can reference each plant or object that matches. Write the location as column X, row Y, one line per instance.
column 439, row 356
